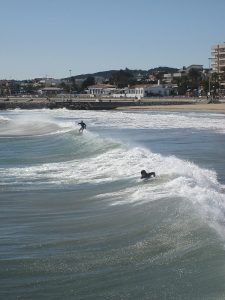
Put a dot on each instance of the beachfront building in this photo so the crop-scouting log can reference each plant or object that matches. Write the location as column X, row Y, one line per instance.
column 218, row 58
column 101, row 89
column 136, row 91
column 158, row 90
column 144, row 90
column 50, row 91
column 218, row 61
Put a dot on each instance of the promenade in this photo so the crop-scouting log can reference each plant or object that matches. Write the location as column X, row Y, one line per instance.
column 86, row 103
column 89, row 103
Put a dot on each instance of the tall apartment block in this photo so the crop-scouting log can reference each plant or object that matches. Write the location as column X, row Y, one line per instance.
column 218, row 59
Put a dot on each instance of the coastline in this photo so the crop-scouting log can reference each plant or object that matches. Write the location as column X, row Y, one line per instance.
column 166, row 104
column 198, row 107
column 87, row 103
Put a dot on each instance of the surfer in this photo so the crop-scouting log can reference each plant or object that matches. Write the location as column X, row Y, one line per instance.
column 145, row 175
column 83, row 126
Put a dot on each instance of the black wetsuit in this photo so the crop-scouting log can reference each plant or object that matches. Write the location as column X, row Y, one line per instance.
column 145, row 175
column 83, row 126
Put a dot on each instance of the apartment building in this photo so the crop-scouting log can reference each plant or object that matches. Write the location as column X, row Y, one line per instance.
column 218, row 58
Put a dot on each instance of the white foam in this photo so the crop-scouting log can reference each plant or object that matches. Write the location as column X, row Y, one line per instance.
column 119, row 164
column 159, row 120
column 3, row 119
column 118, row 119
column 175, row 177
column 30, row 124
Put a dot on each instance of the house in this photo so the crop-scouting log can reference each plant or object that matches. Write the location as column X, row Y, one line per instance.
column 139, row 77
column 144, row 90
column 50, row 91
column 101, row 89
column 49, row 82
column 168, row 78
column 158, row 90
column 137, row 91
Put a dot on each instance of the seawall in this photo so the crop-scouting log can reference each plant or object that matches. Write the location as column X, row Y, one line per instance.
column 80, row 104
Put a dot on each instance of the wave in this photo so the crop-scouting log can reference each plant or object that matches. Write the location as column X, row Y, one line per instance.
column 31, row 125
column 106, row 163
column 122, row 166
column 3, row 119
column 144, row 120
column 47, row 121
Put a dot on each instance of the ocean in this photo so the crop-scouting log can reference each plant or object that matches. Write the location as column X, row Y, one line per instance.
column 77, row 221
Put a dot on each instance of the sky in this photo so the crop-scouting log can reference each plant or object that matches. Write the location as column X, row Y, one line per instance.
column 48, row 38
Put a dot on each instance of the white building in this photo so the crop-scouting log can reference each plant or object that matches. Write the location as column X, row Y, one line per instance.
column 140, row 91
column 143, row 90
column 101, row 89
column 50, row 91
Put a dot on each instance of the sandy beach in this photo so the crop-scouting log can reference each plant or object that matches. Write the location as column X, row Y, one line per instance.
column 203, row 107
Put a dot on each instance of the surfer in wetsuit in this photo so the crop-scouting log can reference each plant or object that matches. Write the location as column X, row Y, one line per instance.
column 83, row 126
column 145, row 175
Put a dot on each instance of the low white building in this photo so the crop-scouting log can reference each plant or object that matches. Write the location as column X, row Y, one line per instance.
column 159, row 90
column 50, row 91
column 140, row 91
column 101, row 89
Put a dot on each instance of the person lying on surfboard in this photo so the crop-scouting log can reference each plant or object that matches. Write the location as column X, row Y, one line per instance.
column 83, row 126
column 145, row 175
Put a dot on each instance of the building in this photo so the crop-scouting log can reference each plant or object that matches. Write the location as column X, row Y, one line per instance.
column 48, row 82
column 101, row 89
column 170, row 77
column 144, row 90
column 218, row 61
column 218, row 58
column 50, row 91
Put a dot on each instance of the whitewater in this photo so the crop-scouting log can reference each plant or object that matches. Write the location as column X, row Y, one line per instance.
column 77, row 221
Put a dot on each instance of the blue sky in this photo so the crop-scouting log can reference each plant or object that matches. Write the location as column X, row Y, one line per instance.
column 50, row 37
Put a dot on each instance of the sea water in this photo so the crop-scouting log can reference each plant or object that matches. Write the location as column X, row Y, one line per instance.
column 77, row 222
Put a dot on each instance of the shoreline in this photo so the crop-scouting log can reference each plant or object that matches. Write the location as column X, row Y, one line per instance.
column 87, row 103
column 198, row 107
column 166, row 104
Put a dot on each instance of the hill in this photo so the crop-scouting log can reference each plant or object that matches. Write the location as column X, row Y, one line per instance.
column 108, row 74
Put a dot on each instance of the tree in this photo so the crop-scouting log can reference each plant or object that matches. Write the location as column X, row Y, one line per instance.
column 215, row 79
column 73, row 84
column 90, row 80
column 182, row 84
column 121, row 78
column 194, row 78
column 65, row 87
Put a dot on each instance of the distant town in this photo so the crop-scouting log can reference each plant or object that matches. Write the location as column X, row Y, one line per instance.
column 188, row 81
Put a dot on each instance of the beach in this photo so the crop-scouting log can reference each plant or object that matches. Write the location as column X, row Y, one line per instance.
column 202, row 107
